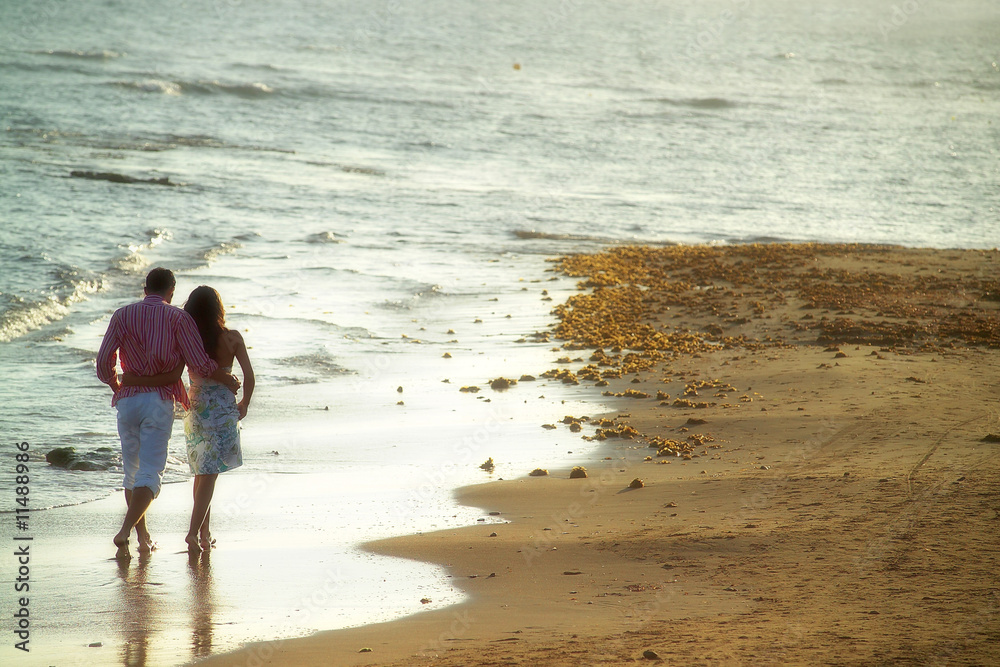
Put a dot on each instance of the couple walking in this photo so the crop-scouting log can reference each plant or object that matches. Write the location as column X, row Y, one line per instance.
column 154, row 341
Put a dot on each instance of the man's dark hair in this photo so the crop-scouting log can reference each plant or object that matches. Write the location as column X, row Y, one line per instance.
column 160, row 281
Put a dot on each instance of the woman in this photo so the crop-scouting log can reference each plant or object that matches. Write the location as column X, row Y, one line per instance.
column 211, row 426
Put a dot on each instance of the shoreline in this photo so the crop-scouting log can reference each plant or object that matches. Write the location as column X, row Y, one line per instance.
column 837, row 508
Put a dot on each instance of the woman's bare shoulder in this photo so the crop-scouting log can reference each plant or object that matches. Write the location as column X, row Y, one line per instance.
column 233, row 339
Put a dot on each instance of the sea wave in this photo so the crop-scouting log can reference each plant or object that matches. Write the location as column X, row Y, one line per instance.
column 355, row 169
column 696, row 102
column 103, row 54
column 323, row 237
column 419, row 293
column 132, row 259
column 300, row 89
column 166, row 142
column 169, row 87
column 171, row 141
column 348, row 168
column 210, row 254
column 250, row 90
column 258, row 66
column 529, row 234
column 349, row 332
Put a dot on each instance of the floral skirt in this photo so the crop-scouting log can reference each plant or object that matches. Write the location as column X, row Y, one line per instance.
column 212, row 431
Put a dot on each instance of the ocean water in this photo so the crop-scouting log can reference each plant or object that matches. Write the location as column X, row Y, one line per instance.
column 373, row 185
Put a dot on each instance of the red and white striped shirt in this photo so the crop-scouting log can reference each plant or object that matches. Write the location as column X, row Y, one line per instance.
column 153, row 337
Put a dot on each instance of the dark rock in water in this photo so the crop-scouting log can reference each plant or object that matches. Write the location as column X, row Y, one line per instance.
column 66, row 457
column 119, row 178
column 89, row 466
column 61, row 457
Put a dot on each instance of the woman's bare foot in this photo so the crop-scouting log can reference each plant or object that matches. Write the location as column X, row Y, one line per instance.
column 122, row 543
column 193, row 545
column 146, row 543
column 207, row 541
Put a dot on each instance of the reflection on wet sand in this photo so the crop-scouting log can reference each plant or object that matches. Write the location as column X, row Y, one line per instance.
column 139, row 615
column 137, row 611
column 202, row 603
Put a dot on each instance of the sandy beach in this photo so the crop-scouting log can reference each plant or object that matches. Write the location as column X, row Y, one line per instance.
column 813, row 431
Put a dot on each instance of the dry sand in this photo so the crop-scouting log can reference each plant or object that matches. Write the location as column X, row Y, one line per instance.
column 838, row 504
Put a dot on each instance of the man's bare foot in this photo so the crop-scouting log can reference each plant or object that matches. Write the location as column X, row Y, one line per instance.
column 122, row 544
column 207, row 541
column 193, row 545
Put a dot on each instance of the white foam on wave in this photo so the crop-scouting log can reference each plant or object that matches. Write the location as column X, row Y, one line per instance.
column 152, row 86
column 209, row 255
column 133, row 260
column 28, row 315
column 73, row 286
column 323, row 237
column 255, row 89
column 203, row 87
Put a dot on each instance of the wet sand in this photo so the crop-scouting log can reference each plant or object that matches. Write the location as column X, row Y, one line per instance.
column 284, row 566
column 818, row 476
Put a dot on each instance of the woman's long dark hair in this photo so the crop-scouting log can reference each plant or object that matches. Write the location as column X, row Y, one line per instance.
column 205, row 305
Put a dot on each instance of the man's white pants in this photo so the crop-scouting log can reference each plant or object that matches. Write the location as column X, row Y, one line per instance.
column 144, row 424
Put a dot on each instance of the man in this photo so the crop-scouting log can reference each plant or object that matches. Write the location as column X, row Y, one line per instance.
column 151, row 337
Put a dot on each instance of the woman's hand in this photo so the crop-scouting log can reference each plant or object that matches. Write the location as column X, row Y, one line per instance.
column 242, row 407
column 232, row 383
